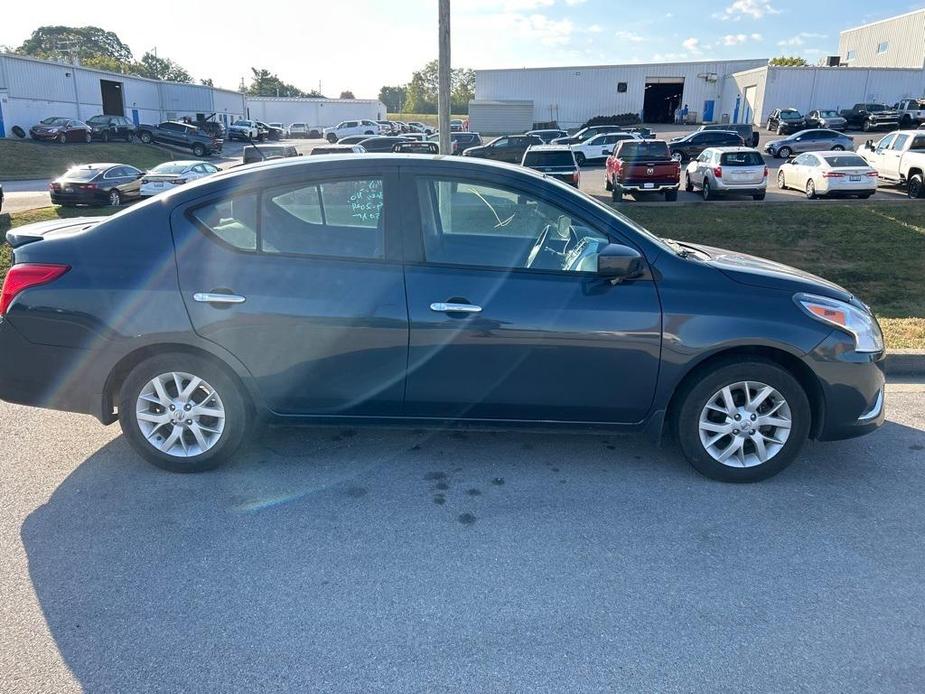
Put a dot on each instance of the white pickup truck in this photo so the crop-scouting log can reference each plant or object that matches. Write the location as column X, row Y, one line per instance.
column 899, row 158
column 911, row 112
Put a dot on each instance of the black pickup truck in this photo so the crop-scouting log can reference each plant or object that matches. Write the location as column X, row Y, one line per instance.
column 180, row 135
column 870, row 117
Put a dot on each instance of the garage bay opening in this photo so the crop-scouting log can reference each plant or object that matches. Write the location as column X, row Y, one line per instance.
column 112, row 98
column 663, row 97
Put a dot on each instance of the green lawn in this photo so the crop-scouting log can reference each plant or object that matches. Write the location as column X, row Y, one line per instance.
column 876, row 250
column 26, row 159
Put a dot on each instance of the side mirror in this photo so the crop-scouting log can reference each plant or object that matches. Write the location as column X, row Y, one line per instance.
column 870, row 145
column 617, row 263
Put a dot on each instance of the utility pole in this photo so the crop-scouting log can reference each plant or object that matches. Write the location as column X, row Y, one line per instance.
column 443, row 73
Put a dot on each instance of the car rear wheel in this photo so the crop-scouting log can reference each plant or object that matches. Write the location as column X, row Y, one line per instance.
column 616, row 192
column 784, row 152
column 810, row 190
column 743, row 421
column 915, row 187
column 182, row 412
column 115, row 199
column 781, row 183
column 145, row 137
column 688, row 184
column 88, row 137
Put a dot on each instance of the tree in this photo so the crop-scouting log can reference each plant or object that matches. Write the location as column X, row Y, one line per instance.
column 463, row 81
column 347, row 94
column 421, row 91
column 393, row 98
column 57, row 42
column 788, row 61
column 207, row 81
column 265, row 83
column 157, row 68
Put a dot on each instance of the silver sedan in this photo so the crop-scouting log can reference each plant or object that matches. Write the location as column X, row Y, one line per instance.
column 817, row 140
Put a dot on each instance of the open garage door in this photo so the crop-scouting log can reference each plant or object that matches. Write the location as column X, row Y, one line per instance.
column 663, row 96
column 113, row 105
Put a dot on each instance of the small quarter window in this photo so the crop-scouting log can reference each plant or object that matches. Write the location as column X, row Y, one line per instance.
column 233, row 220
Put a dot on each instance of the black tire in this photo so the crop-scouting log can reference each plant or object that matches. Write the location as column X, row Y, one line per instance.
column 810, row 190
column 758, row 196
column 905, row 122
column 706, row 191
column 580, row 159
column 867, row 126
column 88, row 137
column 368, row 132
column 781, row 180
column 608, row 186
column 62, row 138
column 671, row 195
column 145, row 137
column 237, row 413
column 616, row 193
column 838, row 148
column 115, row 198
column 915, row 188
column 784, row 153
column 331, row 137
column 694, row 398
column 688, row 185
column 199, row 150
column 106, row 136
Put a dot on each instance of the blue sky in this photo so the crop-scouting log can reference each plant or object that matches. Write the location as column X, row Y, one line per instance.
column 362, row 44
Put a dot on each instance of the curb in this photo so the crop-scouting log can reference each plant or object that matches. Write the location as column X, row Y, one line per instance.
column 904, row 362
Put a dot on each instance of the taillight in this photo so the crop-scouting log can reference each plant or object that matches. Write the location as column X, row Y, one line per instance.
column 26, row 275
column 575, row 176
column 765, row 171
column 178, row 181
column 832, row 174
column 718, row 171
column 871, row 173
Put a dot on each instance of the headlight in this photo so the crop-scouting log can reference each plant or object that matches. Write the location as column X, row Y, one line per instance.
column 861, row 324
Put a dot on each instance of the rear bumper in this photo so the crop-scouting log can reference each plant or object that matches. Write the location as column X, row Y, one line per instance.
column 649, row 186
column 78, row 198
column 851, row 385
column 56, row 378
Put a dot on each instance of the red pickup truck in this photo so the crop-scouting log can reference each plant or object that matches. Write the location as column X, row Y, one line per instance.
column 642, row 166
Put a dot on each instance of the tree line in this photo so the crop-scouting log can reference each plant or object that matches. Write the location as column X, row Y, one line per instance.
column 420, row 94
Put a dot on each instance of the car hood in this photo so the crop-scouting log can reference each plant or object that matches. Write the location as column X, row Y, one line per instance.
column 761, row 272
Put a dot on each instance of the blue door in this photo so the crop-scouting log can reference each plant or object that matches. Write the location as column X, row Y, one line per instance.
column 508, row 322
column 708, row 111
column 135, row 119
column 2, row 128
column 323, row 325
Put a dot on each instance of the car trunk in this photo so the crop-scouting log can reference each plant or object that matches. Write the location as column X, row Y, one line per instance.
column 649, row 171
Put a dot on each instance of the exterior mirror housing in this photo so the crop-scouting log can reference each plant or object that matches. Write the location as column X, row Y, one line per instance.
column 617, row 262
column 869, row 144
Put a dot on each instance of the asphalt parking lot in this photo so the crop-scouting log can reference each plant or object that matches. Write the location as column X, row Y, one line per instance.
column 362, row 561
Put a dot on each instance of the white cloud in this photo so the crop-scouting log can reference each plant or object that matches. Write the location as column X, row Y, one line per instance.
column 754, row 9
column 799, row 40
column 629, row 36
column 595, row 29
column 736, row 39
column 691, row 45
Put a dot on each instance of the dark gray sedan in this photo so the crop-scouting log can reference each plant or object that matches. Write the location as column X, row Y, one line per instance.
column 809, row 141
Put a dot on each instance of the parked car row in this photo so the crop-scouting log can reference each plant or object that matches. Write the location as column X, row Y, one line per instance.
column 868, row 116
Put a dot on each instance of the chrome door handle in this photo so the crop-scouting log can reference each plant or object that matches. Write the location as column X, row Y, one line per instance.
column 216, row 298
column 441, row 307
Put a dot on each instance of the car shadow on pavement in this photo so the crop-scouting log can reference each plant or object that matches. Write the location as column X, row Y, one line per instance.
column 356, row 560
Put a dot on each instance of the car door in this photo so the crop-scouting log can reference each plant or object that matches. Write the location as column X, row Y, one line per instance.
column 802, row 170
column 700, row 166
column 877, row 157
column 301, row 280
column 494, row 339
column 892, row 157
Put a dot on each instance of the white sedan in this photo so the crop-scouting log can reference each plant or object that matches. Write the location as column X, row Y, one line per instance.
column 823, row 174
column 599, row 147
column 171, row 174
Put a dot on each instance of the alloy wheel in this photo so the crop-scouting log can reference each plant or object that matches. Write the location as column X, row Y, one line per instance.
column 745, row 424
column 180, row 414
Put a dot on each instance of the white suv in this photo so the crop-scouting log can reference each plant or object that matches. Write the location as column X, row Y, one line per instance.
column 351, row 127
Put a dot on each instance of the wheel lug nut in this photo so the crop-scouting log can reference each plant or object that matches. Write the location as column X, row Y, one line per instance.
column 189, row 421
column 735, row 431
column 172, row 408
column 738, row 417
column 188, row 407
column 754, row 417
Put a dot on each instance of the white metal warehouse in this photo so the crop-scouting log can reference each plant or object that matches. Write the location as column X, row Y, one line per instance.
column 316, row 113
column 32, row 89
column 894, row 42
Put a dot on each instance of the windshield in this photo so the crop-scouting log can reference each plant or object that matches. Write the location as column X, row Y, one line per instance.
column 876, row 107
column 81, row 173
column 98, row 120
column 649, row 151
column 54, row 121
column 169, row 168
column 549, row 158
column 790, row 115
column 828, row 114
column 741, row 159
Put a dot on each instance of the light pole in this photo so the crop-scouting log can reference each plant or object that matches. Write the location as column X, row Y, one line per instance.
column 443, row 74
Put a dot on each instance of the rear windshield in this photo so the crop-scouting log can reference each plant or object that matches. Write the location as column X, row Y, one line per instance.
column 169, row 168
column 741, row 159
column 845, row 160
column 631, row 150
column 553, row 158
column 81, row 174
column 875, row 107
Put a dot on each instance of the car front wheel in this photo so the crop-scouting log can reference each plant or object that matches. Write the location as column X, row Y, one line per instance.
column 182, row 412
column 743, row 421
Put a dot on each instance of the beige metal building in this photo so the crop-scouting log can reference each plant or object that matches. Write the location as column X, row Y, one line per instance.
column 894, row 42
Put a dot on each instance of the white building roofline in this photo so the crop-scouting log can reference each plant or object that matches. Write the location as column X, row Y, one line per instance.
column 619, row 65
column 881, row 21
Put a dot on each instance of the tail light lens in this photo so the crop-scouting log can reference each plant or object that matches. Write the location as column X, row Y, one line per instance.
column 178, row 181
column 718, row 171
column 871, row 173
column 26, row 275
column 765, row 171
column 832, row 174
column 576, row 177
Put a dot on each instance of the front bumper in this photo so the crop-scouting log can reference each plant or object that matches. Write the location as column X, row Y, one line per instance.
column 851, row 387
column 43, row 135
